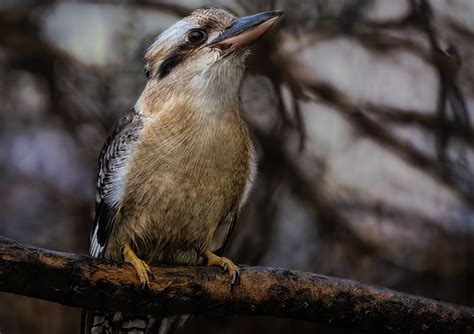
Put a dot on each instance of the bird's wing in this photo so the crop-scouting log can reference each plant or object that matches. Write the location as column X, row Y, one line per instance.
column 111, row 172
column 113, row 162
column 223, row 233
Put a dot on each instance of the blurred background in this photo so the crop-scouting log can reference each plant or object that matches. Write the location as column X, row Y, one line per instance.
column 360, row 110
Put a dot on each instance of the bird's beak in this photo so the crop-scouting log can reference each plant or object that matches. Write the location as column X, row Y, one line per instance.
column 245, row 30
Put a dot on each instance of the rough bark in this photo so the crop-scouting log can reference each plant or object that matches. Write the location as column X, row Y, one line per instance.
column 82, row 281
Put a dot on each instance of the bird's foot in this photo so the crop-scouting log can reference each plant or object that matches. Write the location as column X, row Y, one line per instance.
column 141, row 267
column 226, row 264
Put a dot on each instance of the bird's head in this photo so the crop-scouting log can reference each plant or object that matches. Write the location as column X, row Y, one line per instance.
column 204, row 53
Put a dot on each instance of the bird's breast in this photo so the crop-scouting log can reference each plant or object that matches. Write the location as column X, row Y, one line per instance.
column 187, row 173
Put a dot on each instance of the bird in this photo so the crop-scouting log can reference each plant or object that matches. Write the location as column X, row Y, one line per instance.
column 177, row 168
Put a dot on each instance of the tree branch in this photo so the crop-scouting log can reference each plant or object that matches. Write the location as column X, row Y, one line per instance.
column 82, row 281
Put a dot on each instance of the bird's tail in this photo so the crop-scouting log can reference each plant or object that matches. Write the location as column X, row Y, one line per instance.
column 98, row 322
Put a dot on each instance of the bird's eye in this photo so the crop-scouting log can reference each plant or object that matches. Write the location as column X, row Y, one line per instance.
column 196, row 36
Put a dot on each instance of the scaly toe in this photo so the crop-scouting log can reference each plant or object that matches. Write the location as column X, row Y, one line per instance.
column 233, row 271
column 144, row 274
column 225, row 264
column 148, row 270
column 141, row 267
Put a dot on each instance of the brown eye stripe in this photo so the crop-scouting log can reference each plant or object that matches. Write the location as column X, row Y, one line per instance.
column 181, row 52
column 168, row 64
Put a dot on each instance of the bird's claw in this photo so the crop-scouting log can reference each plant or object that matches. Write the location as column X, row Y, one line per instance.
column 226, row 264
column 141, row 267
column 235, row 279
column 144, row 273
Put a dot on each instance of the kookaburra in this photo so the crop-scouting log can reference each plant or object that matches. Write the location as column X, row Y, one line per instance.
column 176, row 169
